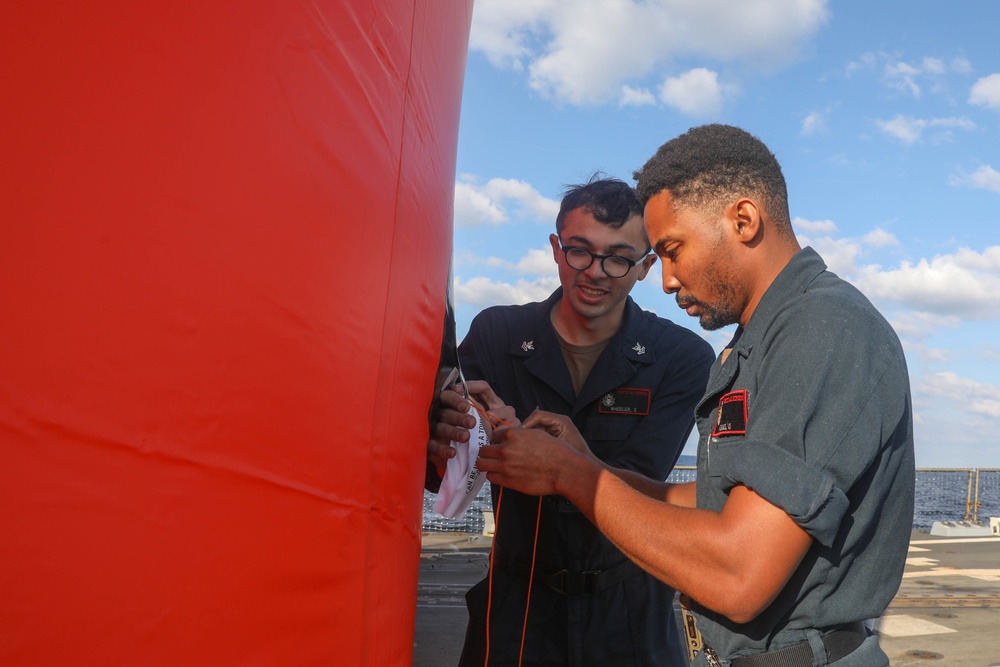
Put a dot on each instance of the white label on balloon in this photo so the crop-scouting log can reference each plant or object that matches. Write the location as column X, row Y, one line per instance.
column 462, row 480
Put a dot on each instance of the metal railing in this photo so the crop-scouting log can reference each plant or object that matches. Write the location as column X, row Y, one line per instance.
column 942, row 494
column 956, row 494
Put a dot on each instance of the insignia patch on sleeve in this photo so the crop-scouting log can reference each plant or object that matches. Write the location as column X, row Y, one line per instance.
column 732, row 418
column 625, row 401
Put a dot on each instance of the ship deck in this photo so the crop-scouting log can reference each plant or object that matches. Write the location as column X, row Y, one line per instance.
column 946, row 613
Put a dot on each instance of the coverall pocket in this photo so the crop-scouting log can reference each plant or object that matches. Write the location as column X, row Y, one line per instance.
column 606, row 433
column 721, row 452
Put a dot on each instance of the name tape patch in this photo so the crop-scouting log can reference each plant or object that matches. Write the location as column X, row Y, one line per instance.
column 732, row 417
column 625, row 401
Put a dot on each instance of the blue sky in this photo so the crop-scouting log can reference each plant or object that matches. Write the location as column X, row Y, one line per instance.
column 884, row 116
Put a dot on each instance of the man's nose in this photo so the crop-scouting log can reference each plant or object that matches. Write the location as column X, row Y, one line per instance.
column 670, row 282
column 596, row 270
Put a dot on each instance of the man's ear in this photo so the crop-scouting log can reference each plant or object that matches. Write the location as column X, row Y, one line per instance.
column 746, row 220
column 646, row 265
column 554, row 242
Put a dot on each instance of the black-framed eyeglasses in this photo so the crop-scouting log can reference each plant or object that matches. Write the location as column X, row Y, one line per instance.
column 616, row 266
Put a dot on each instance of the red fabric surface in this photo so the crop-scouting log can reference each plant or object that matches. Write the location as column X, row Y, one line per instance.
column 224, row 239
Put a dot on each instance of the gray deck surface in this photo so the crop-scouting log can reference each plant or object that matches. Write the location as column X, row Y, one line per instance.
column 947, row 611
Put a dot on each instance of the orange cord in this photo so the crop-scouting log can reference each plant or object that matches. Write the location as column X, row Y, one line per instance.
column 531, row 578
column 534, row 548
column 489, row 589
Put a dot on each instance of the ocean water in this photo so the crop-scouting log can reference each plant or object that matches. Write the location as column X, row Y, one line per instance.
column 951, row 495
column 941, row 495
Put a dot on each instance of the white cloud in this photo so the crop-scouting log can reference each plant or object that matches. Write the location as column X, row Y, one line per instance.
column 926, row 354
column 934, row 65
column 814, row 226
column 879, row 238
column 910, row 77
column 540, row 277
column 909, row 130
column 813, row 123
column 989, row 407
column 961, row 412
column 960, row 122
column 916, row 325
column 840, row 255
column 961, row 65
column 979, row 398
column 865, row 61
column 984, row 178
column 696, row 92
column 474, row 208
column 481, row 292
column 636, row 97
column 503, row 29
column 904, row 128
column 584, row 63
column 986, row 92
column 492, row 203
column 902, row 77
column 964, row 284
column 900, row 69
column 538, row 262
column 583, row 52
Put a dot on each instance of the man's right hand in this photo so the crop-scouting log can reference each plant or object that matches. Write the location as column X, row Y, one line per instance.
column 561, row 427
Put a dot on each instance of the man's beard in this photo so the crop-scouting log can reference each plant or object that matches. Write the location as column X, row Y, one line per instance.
column 714, row 317
column 725, row 310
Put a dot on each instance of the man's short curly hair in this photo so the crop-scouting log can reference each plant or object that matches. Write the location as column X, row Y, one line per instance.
column 710, row 166
column 609, row 200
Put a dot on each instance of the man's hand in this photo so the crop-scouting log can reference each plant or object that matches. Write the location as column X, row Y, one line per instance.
column 499, row 414
column 531, row 461
column 560, row 427
column 452, row 421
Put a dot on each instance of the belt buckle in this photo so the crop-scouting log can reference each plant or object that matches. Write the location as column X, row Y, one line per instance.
column 557, row 581
column 588, row 583
column 711, row 656
column 583, row 584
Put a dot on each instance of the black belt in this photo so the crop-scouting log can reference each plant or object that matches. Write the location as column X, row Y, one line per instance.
column 839, row 643
column 584, row 584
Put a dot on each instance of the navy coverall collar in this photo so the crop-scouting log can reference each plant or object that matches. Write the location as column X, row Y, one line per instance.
column 792, row 281
column 625, row 352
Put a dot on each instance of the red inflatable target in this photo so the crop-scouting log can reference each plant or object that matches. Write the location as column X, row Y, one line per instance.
column 225, row 230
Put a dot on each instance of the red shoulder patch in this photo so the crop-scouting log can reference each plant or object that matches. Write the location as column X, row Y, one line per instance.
column 733, row 413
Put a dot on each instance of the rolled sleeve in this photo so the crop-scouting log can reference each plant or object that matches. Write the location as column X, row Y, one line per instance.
column 808, row 495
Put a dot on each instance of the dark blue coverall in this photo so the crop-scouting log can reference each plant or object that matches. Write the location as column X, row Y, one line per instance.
column 590, row 605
